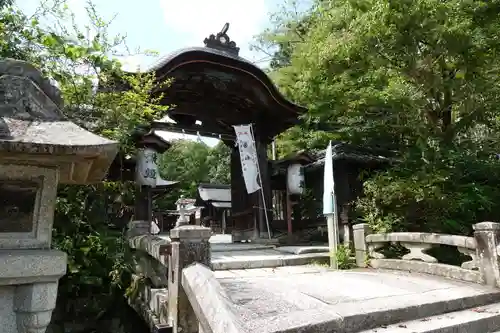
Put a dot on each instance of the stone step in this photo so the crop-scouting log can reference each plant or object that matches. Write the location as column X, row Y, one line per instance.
column 221, row 247
column 485, row 319
column 232, row 261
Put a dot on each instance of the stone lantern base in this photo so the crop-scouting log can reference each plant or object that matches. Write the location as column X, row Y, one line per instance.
column 28, row 288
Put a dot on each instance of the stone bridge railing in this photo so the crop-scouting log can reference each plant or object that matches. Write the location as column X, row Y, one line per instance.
column 175, row 289
column 149, row 290
column 483, row 250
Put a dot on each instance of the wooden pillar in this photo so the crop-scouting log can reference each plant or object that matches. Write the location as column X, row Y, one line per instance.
column 343, row 191
column 241, row 202
column 288, row 212
column 296, row 215
column 263, row 160
column 142, row 209
column 237, row 202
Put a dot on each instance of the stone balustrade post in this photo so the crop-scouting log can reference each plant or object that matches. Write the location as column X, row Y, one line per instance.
column 360, row 232
column 487, row 235
column 190, row 244
column 138, row 228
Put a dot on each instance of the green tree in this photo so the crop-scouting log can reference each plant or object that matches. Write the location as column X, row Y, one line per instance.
column 87, row 218
column 185, row 162
column 374, row 68
column 289, row 29
column 219, row 162
column 192, row 163
column 419, row 77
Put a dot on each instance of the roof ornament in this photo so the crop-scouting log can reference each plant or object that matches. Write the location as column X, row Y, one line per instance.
column 222, row 42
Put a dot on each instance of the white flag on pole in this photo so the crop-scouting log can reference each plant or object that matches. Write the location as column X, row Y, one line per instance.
column 248, row 157
column 330, row 207
column 329, row 204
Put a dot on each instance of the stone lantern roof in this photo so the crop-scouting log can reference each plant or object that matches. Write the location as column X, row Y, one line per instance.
column 33, row 129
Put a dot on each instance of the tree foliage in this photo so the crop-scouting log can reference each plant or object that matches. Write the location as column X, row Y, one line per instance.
column 418, row 77
column 192, row 163
column 88, row 222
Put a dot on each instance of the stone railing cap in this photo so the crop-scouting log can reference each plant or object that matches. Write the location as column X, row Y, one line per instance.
column 191, row 232
column 360, row 226
column 481, row 226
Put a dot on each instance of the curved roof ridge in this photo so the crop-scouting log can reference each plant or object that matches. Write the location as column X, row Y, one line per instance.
column 164, row 60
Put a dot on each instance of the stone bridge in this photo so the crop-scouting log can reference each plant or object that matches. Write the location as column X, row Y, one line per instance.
column 185, row 284
column 185, row 288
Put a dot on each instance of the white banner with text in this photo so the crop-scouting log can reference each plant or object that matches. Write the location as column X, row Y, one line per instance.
column 248, row 157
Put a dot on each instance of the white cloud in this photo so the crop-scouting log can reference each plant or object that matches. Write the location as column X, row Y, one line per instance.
column 197, row 19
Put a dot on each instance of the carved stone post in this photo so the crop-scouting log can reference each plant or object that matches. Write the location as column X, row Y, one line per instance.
column 361, row 230
column 487, row 235
column 190, row 244
column 138, row 228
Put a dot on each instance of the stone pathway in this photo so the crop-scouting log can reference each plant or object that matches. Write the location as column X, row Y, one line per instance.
column 247, row 255
column 230, row 256
column 293, row 298
column 481, row 320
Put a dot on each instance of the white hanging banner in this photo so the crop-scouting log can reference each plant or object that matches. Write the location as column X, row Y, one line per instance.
column 147, row 169
column 248, row 157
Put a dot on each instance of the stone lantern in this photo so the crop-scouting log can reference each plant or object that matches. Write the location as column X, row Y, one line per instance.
column 39, row 149
column 184, row 207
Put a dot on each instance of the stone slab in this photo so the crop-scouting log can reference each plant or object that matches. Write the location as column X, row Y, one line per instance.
column 220, row 247
column 262, row 259
column 285, row 270
column 303, row 249
column 346, row 301
column 151, row 244
column 191, row 233
column 221, row 239
column 214, row 239
column 209, row 301
column 224, row 242
column 31, row 266
column 482, row 319
column 244, row 255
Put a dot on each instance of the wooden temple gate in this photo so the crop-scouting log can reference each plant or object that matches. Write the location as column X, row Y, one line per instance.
column 212, row 90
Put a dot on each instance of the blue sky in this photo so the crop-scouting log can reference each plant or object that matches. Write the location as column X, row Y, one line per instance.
column 167, row 25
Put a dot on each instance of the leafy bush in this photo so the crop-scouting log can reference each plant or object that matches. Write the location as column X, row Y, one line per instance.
column 344, row 257
column 446, row 191
column 89, row 220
